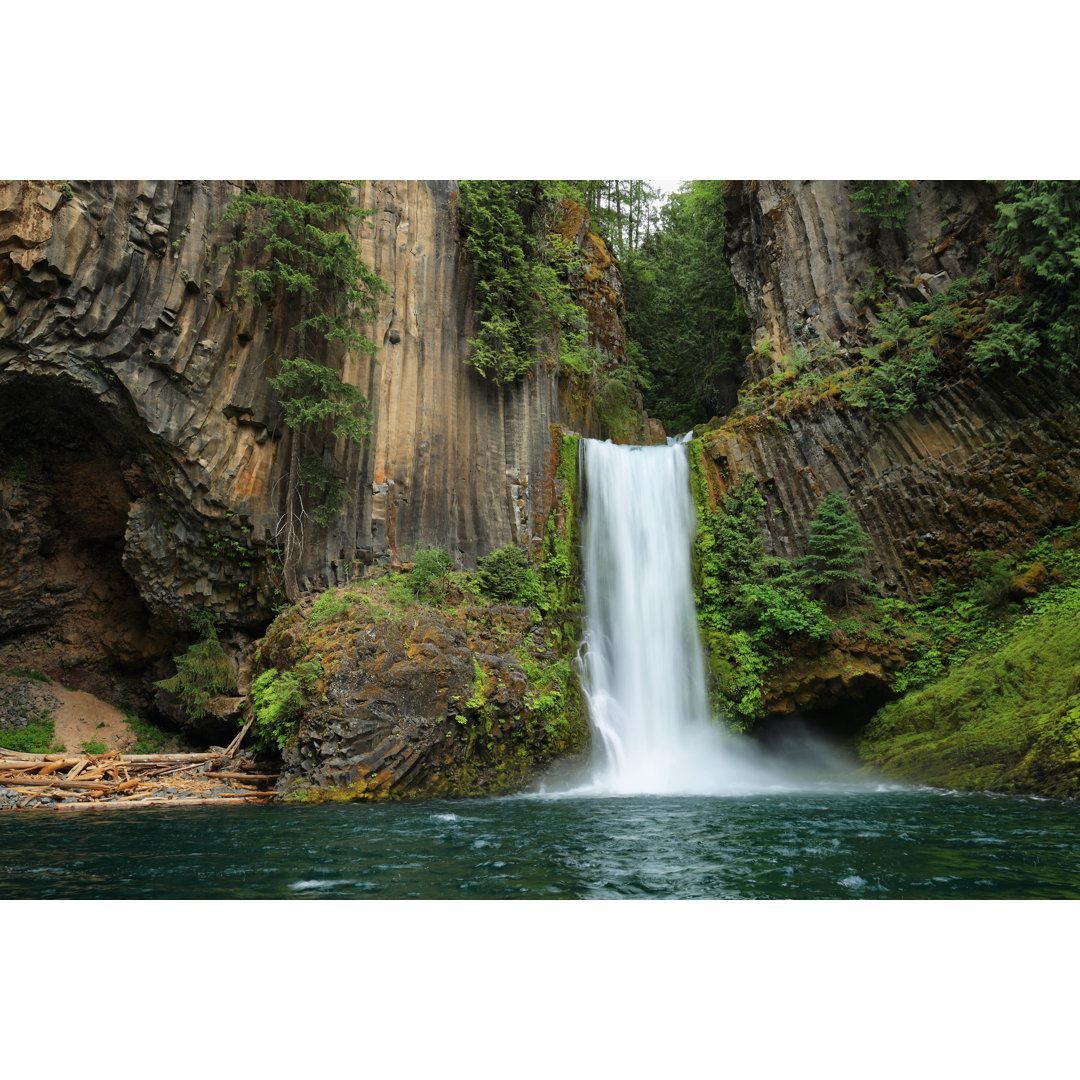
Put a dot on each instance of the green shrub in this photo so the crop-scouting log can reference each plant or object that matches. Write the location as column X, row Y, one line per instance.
column 782, row 608
column 149, row 739
column 35, row 737
column 886, row 201
column 506, row 575
column 329, row 606
column 429, row 576
column 993, row 575
column 202, row 672
column 93, row 746
column 279, row 698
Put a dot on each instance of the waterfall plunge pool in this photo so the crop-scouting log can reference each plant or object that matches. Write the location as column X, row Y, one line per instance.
column 825, row 843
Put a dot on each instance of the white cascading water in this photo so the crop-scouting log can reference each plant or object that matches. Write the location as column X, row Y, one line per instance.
column 642, row 666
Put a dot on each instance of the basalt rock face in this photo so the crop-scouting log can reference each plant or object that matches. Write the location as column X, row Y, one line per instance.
column 992, row 461
column 987, row 465
column 132, row 379
column 454, row 460
column 800, row 250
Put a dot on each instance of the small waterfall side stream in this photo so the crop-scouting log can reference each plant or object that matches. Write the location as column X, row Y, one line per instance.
column 642, row 665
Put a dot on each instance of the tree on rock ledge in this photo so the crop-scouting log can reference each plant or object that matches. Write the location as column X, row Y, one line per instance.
column 838, row 547
column 305, row 251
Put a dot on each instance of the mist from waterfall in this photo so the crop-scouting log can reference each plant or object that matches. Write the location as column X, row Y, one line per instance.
column 641, row 663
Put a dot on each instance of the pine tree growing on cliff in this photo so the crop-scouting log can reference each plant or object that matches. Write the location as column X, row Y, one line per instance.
column 838, row 547
column 306, row 256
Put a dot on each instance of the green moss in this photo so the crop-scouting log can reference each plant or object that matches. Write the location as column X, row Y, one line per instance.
column 560, row 568
column 1006, row 719
column 23, row 672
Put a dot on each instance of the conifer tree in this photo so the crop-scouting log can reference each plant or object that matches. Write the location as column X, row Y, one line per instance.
column 306, row 254
column 838, row 546
column 1039, row 226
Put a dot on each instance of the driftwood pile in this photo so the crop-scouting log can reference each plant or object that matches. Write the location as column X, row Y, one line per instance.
column 121, row 780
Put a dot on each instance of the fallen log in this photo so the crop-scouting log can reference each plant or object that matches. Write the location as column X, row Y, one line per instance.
column 240, row 776
column 121, row 804
column 13, row 766
column 239, row 795
column 18, row 755
column 78, row 769
column 139, row 759
column 234, row 746
column 49, row 781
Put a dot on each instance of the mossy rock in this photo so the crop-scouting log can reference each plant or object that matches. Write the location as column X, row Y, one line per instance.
column 1004, row 721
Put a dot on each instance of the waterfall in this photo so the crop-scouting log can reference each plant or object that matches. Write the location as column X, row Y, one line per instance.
column 641, row 664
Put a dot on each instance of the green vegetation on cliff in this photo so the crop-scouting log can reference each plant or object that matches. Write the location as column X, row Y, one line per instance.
column 749, row 605
column 542, row 295
column 503, row 237
column 1020, row 310
column 885, row 201
column 1037, row 324
column 278, row 698
column 995, row 702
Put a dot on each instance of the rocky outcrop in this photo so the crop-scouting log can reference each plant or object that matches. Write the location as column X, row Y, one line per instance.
column 800, row 251
column 987, row 465
column 989, row 462
column 123, row 347
column 422, row 701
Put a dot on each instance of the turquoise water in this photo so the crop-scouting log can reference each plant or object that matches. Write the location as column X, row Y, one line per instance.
column 816, row 844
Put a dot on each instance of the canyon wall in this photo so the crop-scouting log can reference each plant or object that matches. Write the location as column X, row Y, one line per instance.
column 143, row 452
column 992, row 461
column 119, row 298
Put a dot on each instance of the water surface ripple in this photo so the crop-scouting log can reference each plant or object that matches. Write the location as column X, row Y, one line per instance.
column 829, row 844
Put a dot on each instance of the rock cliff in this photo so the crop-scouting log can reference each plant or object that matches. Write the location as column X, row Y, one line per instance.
column 990, row 462
column 143, row 449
